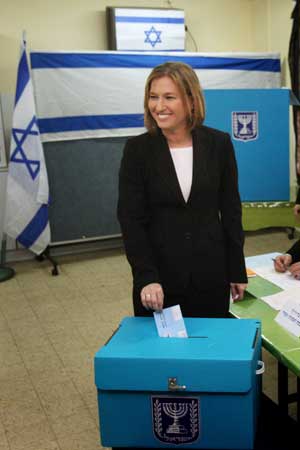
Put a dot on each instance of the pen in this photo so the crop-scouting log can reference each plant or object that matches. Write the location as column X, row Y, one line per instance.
column 285, row 267
column 274, row 260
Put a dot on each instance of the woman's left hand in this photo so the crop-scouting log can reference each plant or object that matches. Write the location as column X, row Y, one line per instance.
column 237, row 291
column 295, row 270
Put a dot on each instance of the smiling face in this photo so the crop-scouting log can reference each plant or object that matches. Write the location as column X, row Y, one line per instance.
column 166, row 105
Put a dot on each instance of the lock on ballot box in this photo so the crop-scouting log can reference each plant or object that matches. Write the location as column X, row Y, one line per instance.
column 196, row 392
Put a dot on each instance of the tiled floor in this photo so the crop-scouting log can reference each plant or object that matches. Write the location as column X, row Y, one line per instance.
column 50, row 328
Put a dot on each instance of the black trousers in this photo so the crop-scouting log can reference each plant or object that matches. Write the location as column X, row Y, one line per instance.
column 212, row 301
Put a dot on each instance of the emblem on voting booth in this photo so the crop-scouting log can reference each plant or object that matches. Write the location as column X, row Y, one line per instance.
column 175, row 419
column 244, row 125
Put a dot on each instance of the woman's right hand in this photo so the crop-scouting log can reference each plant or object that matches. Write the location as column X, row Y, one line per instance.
column 152, row 296
column 282, row 262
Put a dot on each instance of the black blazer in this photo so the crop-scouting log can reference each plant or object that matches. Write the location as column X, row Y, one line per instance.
column 297, row 202
column 168, row 240
column 294, row 251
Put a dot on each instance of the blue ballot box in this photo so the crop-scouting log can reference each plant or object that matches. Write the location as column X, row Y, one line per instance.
column 196, row 392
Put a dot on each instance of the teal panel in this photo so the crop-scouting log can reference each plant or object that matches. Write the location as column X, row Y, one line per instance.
column 263, row 162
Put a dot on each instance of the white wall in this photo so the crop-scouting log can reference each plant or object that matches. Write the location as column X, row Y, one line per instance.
column 6, row 106
column 217, row 25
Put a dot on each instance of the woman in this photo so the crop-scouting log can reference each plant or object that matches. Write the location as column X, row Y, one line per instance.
column 289, row 261
column 179, row 206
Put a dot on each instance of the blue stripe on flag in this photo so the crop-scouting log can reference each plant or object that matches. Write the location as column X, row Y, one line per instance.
column 22, row 76
column 132, row 19
column 77, row 123
column 35, row 227
column 153, row 50
column 92, row 60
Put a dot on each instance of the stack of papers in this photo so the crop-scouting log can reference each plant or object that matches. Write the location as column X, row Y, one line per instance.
column 284, row 280
column 277, row 301
column 287, row 302
column 289, row 317
column 290, row 286
column 250, row 273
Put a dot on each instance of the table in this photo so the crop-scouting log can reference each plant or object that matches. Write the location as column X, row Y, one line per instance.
column 281, row 344
column 259, row 215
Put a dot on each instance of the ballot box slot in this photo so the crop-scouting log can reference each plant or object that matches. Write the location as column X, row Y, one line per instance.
column 197, row 337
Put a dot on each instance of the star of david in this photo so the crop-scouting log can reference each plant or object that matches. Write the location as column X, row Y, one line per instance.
column 152, row 36
column 19, row 155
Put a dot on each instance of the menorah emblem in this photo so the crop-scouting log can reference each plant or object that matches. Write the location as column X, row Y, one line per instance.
column 175, row 419
column 176, row 411
column 244, row 120
column 245, row 125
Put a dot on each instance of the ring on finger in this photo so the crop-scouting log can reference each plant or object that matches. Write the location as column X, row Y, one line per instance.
column 148, row 295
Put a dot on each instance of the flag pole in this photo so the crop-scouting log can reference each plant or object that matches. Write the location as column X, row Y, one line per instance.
column 27, row 180
column 5, row 272
column 24, row 36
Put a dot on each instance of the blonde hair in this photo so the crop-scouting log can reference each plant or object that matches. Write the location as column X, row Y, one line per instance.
column 188, row 84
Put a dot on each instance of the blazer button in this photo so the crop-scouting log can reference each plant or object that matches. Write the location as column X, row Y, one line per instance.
column 188, row 235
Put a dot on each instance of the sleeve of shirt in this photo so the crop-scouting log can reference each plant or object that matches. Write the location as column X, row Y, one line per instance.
column 294, row 251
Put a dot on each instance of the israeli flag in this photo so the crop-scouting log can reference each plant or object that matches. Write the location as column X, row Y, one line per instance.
column 100, row 94
column 149, row 29
column 26, row 218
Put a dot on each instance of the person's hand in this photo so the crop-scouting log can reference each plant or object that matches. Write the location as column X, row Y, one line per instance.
column 297, row 211
column 282, row 262
column 152, row 296
column 237, row 291
column 295, row 270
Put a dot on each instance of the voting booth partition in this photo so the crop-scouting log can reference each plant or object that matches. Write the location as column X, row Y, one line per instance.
column 258, row 122
column 196, row 392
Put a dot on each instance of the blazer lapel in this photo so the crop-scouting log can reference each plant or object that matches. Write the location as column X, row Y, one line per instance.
column 166, row 168
column 201, row 145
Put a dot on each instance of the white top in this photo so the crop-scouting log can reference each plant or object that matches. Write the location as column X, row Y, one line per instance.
column 183, row 162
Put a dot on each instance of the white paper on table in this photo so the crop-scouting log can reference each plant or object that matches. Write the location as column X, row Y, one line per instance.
column 284, row 280
column 277, row 301
column 261, row 260
column 289, row 317
column 169, row 322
